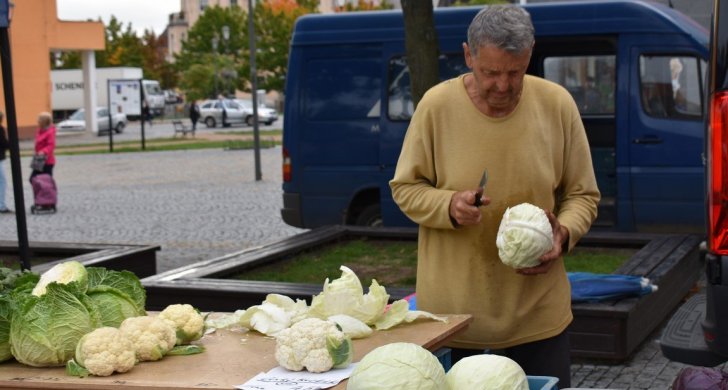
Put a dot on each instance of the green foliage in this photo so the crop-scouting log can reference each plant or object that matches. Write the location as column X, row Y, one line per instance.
column 199, row 61
column 364, row 5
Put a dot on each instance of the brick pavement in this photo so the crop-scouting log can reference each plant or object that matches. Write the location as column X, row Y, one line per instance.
column 205, row 203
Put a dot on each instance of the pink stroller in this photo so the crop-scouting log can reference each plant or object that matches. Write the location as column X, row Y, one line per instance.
column 45, row 194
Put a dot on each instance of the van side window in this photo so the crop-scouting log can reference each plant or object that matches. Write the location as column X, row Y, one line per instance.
column 341, row 89
column 590, row 80
column 670, row 86
column 399, row 98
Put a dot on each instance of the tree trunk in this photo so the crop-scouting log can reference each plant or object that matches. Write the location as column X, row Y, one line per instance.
column 421, row 46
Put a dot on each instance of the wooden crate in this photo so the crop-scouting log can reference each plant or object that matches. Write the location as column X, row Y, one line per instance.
column 139, row 259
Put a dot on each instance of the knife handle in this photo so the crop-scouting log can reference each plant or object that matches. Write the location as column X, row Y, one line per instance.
column 478, row 201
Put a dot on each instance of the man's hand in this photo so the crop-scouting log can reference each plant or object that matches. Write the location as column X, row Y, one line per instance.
column 463, row 210
column 561, row 235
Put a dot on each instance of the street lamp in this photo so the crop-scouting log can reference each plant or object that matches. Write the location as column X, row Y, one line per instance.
column 214, row 62
column 225, row 38
column 215, row 42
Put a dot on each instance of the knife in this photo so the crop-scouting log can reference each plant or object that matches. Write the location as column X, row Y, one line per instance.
column 481, row 188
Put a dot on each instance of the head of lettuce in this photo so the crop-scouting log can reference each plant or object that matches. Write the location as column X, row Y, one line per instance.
column 524, row 236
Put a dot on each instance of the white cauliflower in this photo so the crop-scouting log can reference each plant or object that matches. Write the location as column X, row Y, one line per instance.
column 188, row 322
column 152, row 337
column 314, row 344
column 102, row 352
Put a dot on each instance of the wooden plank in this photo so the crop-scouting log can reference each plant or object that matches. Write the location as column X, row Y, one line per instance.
column 231, row 358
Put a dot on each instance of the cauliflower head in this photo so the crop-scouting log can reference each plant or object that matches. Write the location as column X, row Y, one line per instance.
column 104, row 351
column 314, row 344
column 152, row 337
column 188, row 322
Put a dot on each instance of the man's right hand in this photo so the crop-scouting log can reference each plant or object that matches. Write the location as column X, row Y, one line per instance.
column 463, row 210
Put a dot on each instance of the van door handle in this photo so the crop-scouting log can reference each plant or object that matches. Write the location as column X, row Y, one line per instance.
column 647, row 140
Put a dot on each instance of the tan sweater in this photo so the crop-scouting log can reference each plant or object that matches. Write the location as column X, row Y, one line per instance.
column 537, row 154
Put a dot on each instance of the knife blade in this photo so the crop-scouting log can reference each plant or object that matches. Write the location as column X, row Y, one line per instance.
column 481, row 188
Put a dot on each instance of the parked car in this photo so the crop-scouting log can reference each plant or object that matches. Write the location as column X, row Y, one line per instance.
column 77, row 122
column 211, row 112
column 266, row 115
column 172, row 97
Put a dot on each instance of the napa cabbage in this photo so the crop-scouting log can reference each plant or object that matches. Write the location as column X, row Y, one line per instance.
column 485, row 372
column 524, row 235
column 398, row 366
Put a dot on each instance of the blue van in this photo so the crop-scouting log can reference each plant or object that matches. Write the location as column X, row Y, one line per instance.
column 636, row 69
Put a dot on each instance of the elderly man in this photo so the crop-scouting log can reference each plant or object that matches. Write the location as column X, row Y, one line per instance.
column 528, row 133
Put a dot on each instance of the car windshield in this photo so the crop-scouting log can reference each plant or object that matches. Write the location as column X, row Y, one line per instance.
column 249, row 104
column 77, row 116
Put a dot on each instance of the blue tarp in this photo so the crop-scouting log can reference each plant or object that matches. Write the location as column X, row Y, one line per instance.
column 589, row 287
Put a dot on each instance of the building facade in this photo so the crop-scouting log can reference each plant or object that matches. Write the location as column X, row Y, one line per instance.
column 35, row 32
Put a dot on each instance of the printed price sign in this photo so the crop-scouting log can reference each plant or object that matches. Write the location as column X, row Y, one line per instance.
column 281, row 379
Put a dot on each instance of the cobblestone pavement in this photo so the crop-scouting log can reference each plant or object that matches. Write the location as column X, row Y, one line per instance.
column 202, row 204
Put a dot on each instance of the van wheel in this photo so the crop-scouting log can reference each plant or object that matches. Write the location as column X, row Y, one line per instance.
column 119, row 128
column 210, row 122
column 249, row 120
column 370, row 216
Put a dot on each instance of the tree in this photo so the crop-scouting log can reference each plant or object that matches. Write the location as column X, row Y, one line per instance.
column 363, row 5
column 274, row 21
column 229, row 53
column 154, row 64
column 421, row 46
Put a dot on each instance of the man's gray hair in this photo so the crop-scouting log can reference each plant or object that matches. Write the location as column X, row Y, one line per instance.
column 505, row 26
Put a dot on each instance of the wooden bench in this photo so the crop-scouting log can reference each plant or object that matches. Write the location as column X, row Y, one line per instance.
column 180, row 127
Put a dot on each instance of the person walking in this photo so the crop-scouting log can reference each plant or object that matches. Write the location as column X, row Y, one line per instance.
column 3, row 182
column 528, row 133
column 194, row 114
column 146, row 113
column 45, row 144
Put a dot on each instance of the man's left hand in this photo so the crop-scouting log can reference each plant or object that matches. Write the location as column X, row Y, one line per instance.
column 561, row 235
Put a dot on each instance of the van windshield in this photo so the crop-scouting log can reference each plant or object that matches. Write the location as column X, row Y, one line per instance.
column 153, row 89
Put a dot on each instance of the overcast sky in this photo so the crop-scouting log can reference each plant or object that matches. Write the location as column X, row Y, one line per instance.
column 142, row 14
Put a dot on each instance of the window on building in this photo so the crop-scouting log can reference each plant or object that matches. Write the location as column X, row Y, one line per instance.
column 590, row 80
column 203, row 5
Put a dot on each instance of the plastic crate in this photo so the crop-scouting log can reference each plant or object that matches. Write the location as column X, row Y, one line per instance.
column 542, row 382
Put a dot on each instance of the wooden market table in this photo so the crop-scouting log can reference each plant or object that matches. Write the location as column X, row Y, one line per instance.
column 231, row 358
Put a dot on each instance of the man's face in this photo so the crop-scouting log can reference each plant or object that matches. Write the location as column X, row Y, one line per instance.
column 498, row 75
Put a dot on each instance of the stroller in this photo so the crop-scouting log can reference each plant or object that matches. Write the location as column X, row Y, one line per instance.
column 45, row 194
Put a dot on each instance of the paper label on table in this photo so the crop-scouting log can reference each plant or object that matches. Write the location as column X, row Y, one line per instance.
column 281, row 379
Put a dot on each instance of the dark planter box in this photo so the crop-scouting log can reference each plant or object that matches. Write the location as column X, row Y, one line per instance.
column 608, row 330
column 139, row 259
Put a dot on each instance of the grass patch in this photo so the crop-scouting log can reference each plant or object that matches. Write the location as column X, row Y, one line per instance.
column 160, row 145
column 270, row 133
column 394, row 263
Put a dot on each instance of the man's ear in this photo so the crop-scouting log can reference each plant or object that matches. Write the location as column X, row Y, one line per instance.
column 468, row 55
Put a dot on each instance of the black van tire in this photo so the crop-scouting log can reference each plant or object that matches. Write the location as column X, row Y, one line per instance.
column 210, row 122
column 370, row 216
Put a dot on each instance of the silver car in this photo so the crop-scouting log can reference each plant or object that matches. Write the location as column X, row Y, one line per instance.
column 266, row 114
column 211, row 112
column 77, row 122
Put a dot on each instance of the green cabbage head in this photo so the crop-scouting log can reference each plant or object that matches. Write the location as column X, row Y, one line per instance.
column 118, row 295
column 398, row 366
column 485, row 372
column 44, row 330
column 524, row 235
